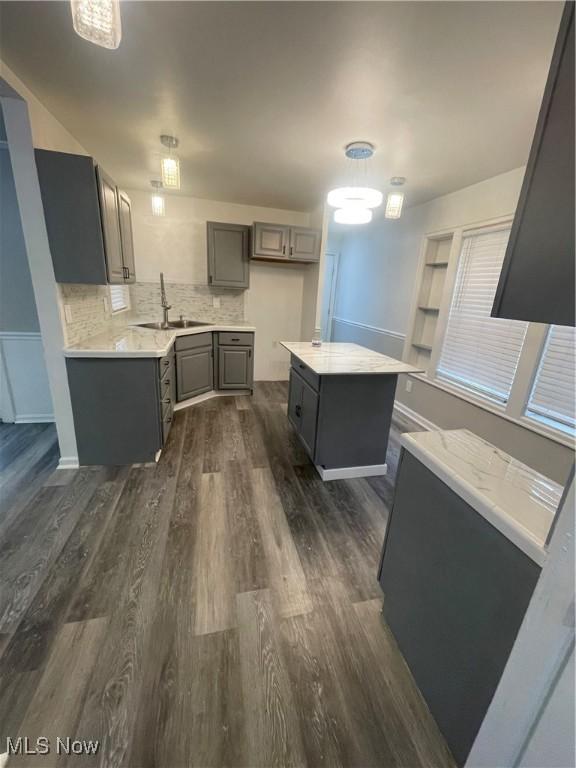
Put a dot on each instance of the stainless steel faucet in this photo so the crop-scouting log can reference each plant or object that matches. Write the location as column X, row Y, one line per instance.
column 164, row 301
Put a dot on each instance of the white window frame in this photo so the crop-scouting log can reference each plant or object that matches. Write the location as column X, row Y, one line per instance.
column 125, row 291
column 515, row 409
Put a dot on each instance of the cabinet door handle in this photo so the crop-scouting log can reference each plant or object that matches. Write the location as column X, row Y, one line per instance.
column 249, row 353
column 235, row 339
column 167, row 400
column 283, row 250
column 298, row 410
column 291, row 250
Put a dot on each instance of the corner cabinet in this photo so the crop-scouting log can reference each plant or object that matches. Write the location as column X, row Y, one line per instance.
column 228, row 255
column 235, row 360
column 276, row 242
column 88, row 220
column 537, row 279
column 194, row 365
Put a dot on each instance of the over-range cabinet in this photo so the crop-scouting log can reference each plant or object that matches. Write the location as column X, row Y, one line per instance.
column 88, row 220
column 537, row 279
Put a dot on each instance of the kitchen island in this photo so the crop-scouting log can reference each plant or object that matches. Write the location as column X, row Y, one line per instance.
column 340, row 403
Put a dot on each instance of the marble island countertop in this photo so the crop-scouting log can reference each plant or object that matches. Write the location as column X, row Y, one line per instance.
column 515, row 499
column 342, row 358
column 132, row 341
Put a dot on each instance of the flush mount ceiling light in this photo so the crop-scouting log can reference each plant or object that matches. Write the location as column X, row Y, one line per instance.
column 157, row 200
column 357, row 197
column 98, row 21
column 170, row 164
column 395, row 200
column 353, row 215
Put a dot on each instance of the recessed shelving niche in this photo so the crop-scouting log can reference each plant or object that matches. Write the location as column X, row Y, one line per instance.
column 428, row 299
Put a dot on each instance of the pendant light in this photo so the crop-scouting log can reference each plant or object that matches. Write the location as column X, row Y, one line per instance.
column 170, row 164
column 395, row 200
column 157, row 200
column 98, row 21
column 354, row 202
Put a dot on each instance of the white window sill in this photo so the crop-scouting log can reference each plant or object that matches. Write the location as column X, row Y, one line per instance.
column 525, row 422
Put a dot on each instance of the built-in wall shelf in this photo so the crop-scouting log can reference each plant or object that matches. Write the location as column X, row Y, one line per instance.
column 428, row 300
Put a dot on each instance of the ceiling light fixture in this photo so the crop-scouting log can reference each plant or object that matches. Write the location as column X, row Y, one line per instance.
column 157, row 200
column 353, row 215
column 98, row 21
column 356, row 196
column 395, row 200
column 170, row 164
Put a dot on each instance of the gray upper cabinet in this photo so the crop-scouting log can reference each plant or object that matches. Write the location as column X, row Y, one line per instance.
column 72, row 214
column 111, row 227
column 304, row 244
column 127, row 240
column 275, row 242
column 228, row 255
column 270, row 241
column 537, row 279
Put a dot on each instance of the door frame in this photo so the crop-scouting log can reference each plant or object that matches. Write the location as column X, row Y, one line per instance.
column 330, row 285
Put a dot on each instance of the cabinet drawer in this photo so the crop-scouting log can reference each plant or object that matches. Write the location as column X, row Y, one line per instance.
column 168, row 389
column 194, row 341
column 165, row 364
column 307, row 373
column 235, row 337
column 167, row 418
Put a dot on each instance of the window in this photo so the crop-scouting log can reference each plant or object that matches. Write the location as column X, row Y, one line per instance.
column 481, row 353
column 119, row 297
column 552, row 398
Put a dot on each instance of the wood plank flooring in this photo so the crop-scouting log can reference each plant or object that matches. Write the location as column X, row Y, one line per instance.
column 218, row 609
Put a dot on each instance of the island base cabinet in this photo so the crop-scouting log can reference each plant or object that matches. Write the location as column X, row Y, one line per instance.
column 455, row 593
column 303, row 410
column 235, row 368
column 195, row 372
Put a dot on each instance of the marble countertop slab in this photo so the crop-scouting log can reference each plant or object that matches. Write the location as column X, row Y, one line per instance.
column 334, row 358
column 515, row 499
column 132, row 341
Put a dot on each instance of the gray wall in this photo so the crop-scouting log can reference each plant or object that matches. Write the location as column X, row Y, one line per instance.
column 17, row 303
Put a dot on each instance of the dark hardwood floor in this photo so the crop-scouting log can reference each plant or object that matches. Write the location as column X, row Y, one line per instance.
column 219, row 608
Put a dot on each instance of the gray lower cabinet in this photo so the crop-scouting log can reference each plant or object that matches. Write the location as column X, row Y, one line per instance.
column 342, row 420
column 455, row 593
column 122, row 407
column 235, row 367
column 228, row 255
column 277, row 242
column 195, row 372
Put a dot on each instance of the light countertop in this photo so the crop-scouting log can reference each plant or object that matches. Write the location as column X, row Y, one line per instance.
column 340, row 358
column 515, row 499
column 132, row 341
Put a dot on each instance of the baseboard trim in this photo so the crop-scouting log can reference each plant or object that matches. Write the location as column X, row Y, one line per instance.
column 428, row 426
column 34, row 418
column 208, row 396
column 347, row 473
column 68, row 462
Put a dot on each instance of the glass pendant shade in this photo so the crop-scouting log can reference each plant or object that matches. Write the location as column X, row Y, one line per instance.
column 98, row 21
column 360, row 197
column 171, row 172
column 353, row 215
column 158, row 207
column 394, row 205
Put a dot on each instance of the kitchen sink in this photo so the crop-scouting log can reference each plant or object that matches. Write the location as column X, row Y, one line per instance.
column 159, row 326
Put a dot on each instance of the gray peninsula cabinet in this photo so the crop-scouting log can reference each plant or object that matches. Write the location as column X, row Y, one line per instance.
column 277, row 242
column 88, row 220
column 194, row 365
column 123, row 407
column 228, row 255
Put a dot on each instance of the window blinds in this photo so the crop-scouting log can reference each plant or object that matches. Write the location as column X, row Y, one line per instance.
column 552, row 397
column 119, row 297
column 480, row 352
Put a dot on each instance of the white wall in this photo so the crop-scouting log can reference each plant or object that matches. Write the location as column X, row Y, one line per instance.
column 176, row 244
column 378, row 265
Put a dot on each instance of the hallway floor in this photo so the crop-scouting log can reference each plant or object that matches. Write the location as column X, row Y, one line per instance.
column 219, row 608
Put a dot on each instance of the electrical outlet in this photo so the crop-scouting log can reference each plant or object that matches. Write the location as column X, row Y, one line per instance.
column 408, row 385
column 68, row 313
column 216, row 302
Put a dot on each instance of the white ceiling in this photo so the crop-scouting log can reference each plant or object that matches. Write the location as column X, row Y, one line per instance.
column 263, row 96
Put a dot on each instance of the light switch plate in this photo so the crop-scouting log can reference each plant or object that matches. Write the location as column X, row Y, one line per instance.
column 216, row 302
column 68, row 313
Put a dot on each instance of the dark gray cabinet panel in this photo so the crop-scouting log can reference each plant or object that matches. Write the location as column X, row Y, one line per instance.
column 270, row 241
column 110, row 227
column 303, row 410
column 455, row 594
column 537, row 280
column 127, row 241
column 235, row 368
column 228, row 255
column 116, row 407
column 304, row 244
column 194, row 369
column 72, row 213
